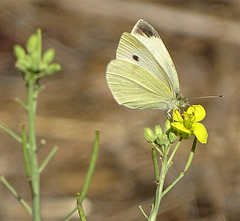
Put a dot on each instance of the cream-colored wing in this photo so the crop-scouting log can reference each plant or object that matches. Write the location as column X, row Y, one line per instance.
column 132, row 50
column 135, row 87
column 149, row 37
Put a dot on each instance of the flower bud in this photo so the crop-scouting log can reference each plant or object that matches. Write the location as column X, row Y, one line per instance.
column 162, row 140
column 53, row 68
column 149, row 135
column 172, row 137
column 48, row 56
column 32, row 43
column 158, row 130
column 19, row 52
column 167, row 125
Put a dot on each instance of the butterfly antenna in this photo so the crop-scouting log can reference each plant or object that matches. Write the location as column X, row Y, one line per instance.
column 217, row 96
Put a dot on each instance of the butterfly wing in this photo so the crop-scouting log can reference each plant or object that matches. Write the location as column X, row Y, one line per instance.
column 135, row 87
column 143, row 74
column 132, row 50
column 149, row 37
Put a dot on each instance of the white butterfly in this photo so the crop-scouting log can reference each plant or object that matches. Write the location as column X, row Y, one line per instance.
column 143, row 75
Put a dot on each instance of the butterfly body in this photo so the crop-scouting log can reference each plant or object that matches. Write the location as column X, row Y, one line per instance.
column 143, row 75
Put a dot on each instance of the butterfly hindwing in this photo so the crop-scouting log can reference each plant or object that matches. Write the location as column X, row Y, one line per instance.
column 135, row 87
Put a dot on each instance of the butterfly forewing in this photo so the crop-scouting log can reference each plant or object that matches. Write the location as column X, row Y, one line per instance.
column 135, row 87
column 146, row 34
column 132, row 50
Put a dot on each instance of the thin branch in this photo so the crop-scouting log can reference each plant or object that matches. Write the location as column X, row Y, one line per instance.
column 10, row 132
column 16, row 195
column 48, row 158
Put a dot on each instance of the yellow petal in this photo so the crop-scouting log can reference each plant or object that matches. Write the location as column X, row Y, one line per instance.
column 179, row 127
column 200, row 132
column 177, row 116
column 198, row 111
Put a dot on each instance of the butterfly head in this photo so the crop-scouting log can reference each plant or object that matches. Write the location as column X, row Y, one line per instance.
column 181, row 101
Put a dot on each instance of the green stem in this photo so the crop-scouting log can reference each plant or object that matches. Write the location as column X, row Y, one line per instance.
column 173, row 153
column 191, row 155
column 91, row 167
column 155, row 164
column 25, row 151
column 158, row 149
column 141, row 209
column 173, row 184
column 156, row 171
column 19, row 101
column 159, row 190
column 10, row 132
column 80, row 197
column 80, row 208
column 16, row 195
column 190, row 158
column 35, row 178
column 70, row 215
column 48, row 158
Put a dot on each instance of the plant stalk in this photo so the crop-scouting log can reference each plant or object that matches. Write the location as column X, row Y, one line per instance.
column 34, row 171
column 159, row 190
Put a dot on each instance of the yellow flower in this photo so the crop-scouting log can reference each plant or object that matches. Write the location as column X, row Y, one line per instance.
column 188, row 124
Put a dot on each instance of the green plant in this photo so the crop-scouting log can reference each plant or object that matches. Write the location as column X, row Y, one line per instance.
column 178, row 127
column 33, row 66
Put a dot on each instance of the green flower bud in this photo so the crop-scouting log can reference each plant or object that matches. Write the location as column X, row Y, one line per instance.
column 43, row 66
column 162, row 140
column 167, row 125
column 48, row 56
column 19, row 52
column 158, row 130
column 53, row 68
column 32, row 43
column 149, row 135
column 172, row 137
column 24, row 64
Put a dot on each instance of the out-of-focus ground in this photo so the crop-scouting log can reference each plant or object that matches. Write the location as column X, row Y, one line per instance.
column 203, row 38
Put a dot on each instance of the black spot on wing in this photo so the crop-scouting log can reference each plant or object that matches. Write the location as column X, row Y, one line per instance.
column 144, row 28
column 135, row 57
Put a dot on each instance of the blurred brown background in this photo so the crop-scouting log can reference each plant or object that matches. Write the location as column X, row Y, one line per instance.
column 203, row 38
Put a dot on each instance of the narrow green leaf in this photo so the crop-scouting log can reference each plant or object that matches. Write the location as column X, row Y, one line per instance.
column 48, row 158
column 16, row 195
column 10, row 132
